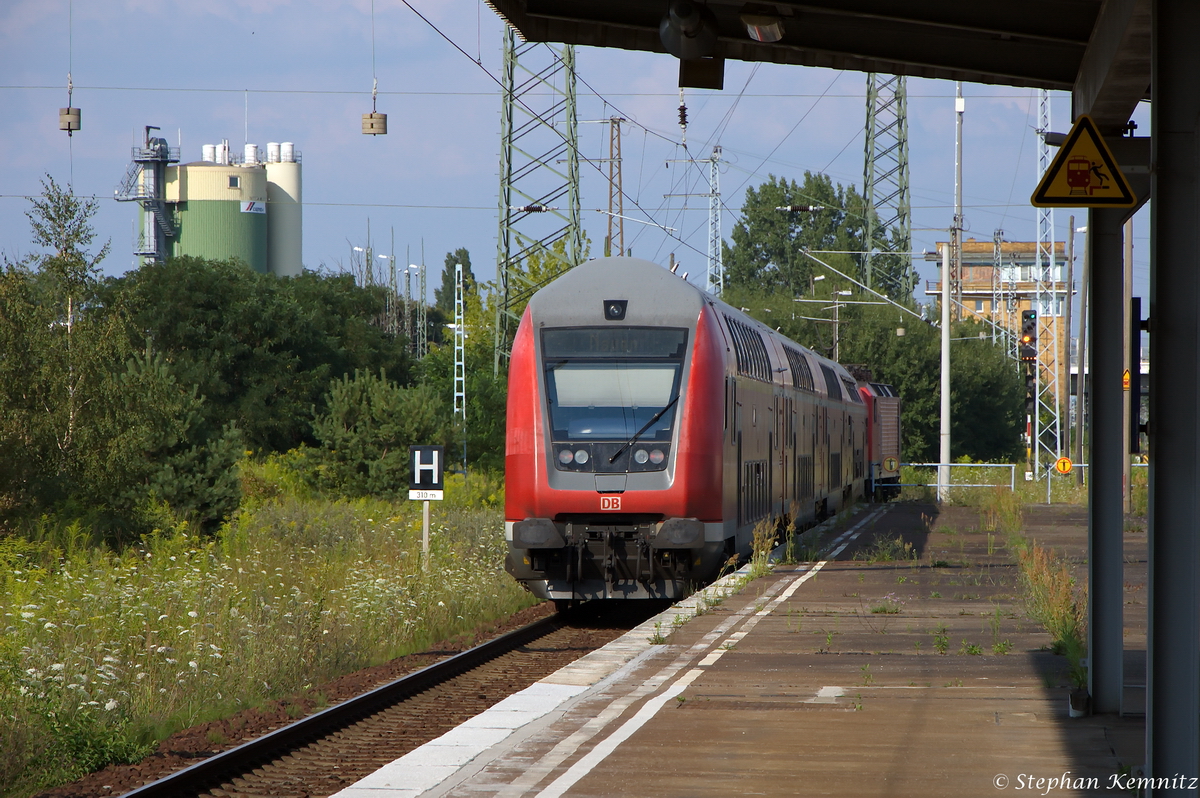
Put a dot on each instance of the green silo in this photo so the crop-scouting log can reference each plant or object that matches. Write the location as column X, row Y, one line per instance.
column 220, row 211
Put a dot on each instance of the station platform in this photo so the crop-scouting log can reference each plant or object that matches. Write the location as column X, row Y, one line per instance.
column 902, row 662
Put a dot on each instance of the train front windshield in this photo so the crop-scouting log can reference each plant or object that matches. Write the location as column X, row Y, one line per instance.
column 607, row 383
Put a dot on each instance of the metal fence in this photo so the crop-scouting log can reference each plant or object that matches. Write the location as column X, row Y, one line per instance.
column 1012, row 475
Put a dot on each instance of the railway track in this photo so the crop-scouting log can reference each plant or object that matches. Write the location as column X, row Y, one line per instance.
column 327, row 751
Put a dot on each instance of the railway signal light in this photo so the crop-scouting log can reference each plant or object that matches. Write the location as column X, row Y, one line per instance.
column 1028, row 343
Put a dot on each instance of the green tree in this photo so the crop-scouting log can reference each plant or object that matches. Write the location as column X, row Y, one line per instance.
column 767, row 242
column 260, row 350
column 366, row 430
column 89, row 424
column 443, row 296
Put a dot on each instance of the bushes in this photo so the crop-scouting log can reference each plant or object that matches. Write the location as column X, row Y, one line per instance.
column 366, row 433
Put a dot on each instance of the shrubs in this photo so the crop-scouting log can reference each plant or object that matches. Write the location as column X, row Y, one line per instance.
column 366, row 432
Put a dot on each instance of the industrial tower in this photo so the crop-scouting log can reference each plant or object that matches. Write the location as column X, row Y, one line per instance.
column 885, row 188
column 1047, row 431
column 145, row 183
column 539, row 168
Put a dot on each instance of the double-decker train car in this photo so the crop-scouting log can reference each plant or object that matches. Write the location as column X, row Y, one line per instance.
column 883, row 439
column 651, row 427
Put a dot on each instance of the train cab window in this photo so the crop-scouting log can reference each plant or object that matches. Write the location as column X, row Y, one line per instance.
column 608, row 386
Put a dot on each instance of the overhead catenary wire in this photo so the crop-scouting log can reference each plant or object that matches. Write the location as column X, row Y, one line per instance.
column 582, row 156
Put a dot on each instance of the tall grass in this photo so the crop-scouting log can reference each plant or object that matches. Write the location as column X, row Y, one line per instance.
column 1052, row 595
column 104, row 653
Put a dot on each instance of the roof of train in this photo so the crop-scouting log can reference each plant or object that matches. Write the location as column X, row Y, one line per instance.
column 655, row 296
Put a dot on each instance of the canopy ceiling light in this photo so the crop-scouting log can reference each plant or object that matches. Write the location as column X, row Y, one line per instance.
column 688, row 31
column 763, row 28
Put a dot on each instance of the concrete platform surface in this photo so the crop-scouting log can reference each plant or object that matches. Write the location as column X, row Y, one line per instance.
column 901, row 663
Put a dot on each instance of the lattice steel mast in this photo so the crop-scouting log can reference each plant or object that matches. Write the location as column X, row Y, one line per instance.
column 460, row 364
column 716, row 265
column 539, row 135
column 1046, row 427
column 885, row 187
column 1004, row 300
column 616, row 195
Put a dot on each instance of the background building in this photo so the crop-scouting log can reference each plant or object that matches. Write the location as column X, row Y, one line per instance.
column 1000, row 279
column 225, row 206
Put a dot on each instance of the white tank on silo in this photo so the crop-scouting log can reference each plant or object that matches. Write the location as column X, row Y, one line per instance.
column 208, row 153
column 251, row 154
column 284, row 214
column 223, row 153
column 272, row 152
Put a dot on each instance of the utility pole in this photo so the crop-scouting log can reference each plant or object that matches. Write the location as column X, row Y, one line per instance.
column 1003, row 298
column 460, row 368
column 944, row 431
column 538, row 131
column 1081, row 383
column 716, row 264
column 960, row 106
column 1064, row 369
column 1047, row 443
column 422, row 309
column 616, row 197
column 885, row 184
column 715, row 280
column 408, row 325
column 1132, row 347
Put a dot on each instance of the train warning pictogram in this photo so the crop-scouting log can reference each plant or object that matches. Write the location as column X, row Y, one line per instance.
column 1063, row 465
column 1084, row 174
column 1126, row 380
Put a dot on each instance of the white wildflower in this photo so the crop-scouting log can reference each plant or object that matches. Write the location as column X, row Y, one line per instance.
column 193, row 614
column 111, row 705
column 58, row 666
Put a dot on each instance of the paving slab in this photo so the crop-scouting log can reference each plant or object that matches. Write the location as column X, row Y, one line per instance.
column 904, row 664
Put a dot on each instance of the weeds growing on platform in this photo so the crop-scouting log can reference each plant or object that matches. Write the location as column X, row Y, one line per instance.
column 104, row 653
column 1052, row 595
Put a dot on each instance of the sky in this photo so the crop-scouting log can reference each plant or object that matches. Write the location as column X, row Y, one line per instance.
column 277, row 70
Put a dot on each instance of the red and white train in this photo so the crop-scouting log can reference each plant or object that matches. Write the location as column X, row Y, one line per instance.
column 652, row 426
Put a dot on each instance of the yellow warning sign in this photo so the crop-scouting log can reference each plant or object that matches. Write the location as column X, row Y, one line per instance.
column 1125, row 380
column 1084, row 174
column 1063, row 465
column 890, row 464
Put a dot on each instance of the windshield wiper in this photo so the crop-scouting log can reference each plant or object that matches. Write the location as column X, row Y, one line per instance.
column 642, row 431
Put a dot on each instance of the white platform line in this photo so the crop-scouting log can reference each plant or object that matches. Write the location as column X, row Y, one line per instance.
column 605, row 747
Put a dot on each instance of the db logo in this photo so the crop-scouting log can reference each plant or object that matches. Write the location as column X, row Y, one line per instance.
column 610, row 502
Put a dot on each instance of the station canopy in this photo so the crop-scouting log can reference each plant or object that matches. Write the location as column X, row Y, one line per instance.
column 1099, row 49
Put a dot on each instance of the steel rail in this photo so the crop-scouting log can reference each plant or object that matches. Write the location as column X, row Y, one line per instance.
column 246, row 756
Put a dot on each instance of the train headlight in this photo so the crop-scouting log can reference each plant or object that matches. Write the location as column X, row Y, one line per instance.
column 565, row 457
column 640, row 457
column 581, row 456
column 656, row 456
